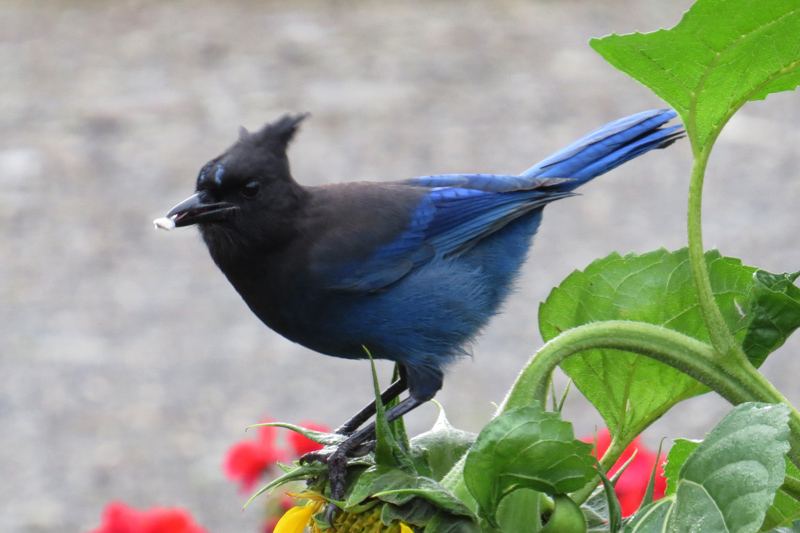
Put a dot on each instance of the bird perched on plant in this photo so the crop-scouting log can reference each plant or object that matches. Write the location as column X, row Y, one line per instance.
column 410, row 270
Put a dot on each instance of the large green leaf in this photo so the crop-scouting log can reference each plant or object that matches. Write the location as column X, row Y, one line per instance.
column 721, row 54
column 729, row 481
column 630, row 390
column 783, row 511
column 525, row 448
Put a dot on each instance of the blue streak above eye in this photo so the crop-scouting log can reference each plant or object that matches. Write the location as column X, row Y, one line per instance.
column 218, row 174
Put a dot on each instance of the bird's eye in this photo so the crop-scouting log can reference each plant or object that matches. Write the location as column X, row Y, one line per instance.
column 250, row 189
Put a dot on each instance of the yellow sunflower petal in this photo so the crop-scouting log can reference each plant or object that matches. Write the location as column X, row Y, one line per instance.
column 404, row 528
column 294, row 520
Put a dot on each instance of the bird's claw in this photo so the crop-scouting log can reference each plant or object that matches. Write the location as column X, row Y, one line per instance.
column 337, row 471
column 336, row 459
column 323, row 455
column 319, row 456
column 330, row 514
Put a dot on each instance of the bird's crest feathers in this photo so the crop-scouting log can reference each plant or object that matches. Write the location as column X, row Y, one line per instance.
column 280, row 132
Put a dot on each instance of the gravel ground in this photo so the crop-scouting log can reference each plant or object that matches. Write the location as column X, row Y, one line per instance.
column 128, row 365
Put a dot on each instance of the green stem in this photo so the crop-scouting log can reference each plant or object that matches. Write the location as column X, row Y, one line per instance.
column 610, row 457
column 690, row 356
column 718, row 332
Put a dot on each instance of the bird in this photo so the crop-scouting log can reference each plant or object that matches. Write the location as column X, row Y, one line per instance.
column 410, row 270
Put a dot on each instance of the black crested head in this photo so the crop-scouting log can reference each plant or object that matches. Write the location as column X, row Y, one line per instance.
column 253, row 184
column 254, row 154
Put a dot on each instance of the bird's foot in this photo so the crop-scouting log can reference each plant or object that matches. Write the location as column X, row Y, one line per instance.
column 336, row 459
column 324, row 455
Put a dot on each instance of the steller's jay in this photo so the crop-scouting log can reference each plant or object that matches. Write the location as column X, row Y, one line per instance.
column 410, row 270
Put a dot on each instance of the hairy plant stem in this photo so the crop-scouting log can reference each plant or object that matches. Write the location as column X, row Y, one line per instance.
column 730, row 355
column 721, row 338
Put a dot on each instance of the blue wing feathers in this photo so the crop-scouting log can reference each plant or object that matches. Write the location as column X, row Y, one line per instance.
column 482, row 182
column 460, row 210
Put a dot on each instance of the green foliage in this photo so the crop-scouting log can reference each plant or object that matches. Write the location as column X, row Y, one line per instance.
column 439, row 449
column 566, row 517
column 677, row 456
column 525, row 448
column 774, row 313
column 721, row 54
column 729, row 481
column 611, row 505
column 630, row 390
column 785, row 509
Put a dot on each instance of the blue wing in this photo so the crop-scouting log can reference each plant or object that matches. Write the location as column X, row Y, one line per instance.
column 461, row 209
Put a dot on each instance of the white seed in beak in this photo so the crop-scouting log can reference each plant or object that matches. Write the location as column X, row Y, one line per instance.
column 164, row 223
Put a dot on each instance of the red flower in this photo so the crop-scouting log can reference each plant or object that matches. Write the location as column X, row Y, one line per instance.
column 248, row 459
column 302, row 445
column 632, row 484
column 118, row 517
column 269, row 525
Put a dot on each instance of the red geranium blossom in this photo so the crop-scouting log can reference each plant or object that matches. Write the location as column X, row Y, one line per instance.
column 632, row 484
column 119, row 517
column 302, row 445
column 248, row 459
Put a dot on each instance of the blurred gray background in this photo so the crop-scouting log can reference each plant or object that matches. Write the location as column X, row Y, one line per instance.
column 128, row 365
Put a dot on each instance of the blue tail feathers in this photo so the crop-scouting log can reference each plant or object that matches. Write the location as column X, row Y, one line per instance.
column 594, row 154
column 608, row 147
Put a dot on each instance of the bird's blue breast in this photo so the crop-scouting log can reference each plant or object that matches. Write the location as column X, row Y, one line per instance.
column 425, row 318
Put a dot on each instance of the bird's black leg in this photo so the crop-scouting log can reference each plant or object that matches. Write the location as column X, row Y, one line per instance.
column 392, row 391
column 337, row 461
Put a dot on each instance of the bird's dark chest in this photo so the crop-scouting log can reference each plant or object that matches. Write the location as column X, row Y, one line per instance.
column 277, row 289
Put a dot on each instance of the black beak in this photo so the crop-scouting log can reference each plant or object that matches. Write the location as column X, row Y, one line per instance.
column 198, row 208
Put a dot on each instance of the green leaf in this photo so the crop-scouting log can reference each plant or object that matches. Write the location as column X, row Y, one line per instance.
column 418, row 512
column 794, row 528
column 677, row 455
column 320, row 437
column 721, row 54
column 306, row 471
column 596, row 509
column 442, row 446
column 649, row 495
column 785, row 510
column 398, row 427
column 444, row 522
column 397, row 487
column 654, row 517
column 629, row 390
column 388, row 451
column 774, row 314
column 729, row 481
column 525, row 448
column 613, row 507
